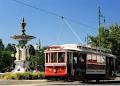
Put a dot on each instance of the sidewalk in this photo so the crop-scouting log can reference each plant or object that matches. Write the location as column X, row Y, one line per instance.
column 21, row 82
column 117, row 78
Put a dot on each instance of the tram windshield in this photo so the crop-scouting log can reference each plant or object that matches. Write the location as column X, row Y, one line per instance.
column 55, row 57
column 61, row 56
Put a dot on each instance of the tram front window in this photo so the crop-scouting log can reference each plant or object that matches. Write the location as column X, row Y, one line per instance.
column 61, row 56
column 53, row 57
column 46, row 57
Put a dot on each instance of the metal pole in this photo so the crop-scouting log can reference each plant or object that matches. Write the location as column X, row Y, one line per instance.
column 99, row 14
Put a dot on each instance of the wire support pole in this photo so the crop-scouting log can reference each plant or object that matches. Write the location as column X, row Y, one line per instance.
column 99, row 21
column 99, row 15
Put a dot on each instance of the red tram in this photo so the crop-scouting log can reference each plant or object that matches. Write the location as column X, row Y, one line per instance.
column 79, row 62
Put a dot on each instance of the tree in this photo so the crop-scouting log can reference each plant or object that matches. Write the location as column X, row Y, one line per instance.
column 41, row 58
column 108, row 38
column 37, row 59
column 114, row 38
column 10, row 48
column 1, row 45
column 33, row 57
column 5, row 61
column 31, row 50
column 101, row 39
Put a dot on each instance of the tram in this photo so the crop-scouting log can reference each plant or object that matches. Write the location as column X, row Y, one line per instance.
column 78, row 62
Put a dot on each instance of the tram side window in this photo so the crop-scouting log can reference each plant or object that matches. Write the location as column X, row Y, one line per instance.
column 94, row 58
column 61, row 56
column 89, row 58
column 103, row 59
column 100, row 59
column 53, row 57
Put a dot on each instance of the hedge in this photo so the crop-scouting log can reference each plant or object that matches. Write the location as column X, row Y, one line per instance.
column 20, row 76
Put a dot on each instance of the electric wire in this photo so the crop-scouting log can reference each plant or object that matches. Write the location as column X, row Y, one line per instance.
column 54, row 14
column 70, row 27
column 64, row 18
column 34, row 7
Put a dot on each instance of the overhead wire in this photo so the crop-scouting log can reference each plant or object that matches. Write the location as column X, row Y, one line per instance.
column 54, row 14
column 70, row 27
column 64, row 18
column 34, row 7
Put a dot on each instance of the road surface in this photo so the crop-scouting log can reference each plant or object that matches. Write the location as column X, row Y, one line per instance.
column 53, row 83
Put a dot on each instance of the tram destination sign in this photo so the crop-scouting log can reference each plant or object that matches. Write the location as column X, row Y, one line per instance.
column 95, row 71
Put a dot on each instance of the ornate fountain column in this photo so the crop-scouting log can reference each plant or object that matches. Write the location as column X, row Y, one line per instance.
column 22, row 50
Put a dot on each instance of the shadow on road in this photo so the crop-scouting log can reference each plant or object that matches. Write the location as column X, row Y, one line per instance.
column 74, row 83
column 104, row 82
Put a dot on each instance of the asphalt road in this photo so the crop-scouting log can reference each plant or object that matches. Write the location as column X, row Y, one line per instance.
column 53, row 83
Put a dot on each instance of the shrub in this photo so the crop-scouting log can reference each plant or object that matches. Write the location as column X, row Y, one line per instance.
column 117, row 74
column 25, row 75
column 9, row 76
column 38, row 75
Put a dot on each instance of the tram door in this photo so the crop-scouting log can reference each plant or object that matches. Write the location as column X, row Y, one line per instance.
column 110, row 66
column 76, row 63
column 79, row 64
column 70, row 63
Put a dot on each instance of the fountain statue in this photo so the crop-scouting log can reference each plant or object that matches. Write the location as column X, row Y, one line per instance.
column 22, row 50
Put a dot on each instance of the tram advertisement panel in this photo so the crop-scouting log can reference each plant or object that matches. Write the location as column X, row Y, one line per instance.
column 95, row 64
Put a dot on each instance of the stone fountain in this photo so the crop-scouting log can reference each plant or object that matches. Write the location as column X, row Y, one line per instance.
column 22, row 50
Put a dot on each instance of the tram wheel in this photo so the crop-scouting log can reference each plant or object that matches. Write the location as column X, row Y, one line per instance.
column 83, row 81
column 69, row 79
column 97, row 81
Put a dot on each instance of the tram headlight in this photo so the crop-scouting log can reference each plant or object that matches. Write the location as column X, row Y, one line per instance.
column 50, row 69
column 54, row 70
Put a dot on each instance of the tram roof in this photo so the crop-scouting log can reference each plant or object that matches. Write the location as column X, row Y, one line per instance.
column 83, row 48
column 87, row 48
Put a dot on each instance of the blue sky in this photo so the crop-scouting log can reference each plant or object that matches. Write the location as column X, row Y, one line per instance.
column 51, row 29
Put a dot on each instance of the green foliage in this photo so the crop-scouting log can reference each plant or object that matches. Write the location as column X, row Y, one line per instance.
column 108, row 38
column 38, row 75
column 33, row 60
column 6, row 61
column 118, row 74
column 37, row 60
column 93, row 41
column 1, row 45
column 20, row 76
column 9, row 76
column 11, row 48
column 41, row 59
column 101, row 39
column 31, row 50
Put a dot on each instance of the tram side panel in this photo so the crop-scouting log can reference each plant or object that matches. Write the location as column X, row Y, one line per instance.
column 95, row 66
column 100, row 67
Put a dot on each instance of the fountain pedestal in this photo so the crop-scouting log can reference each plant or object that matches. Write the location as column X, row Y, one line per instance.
column 22, row 51
column 21, row 66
